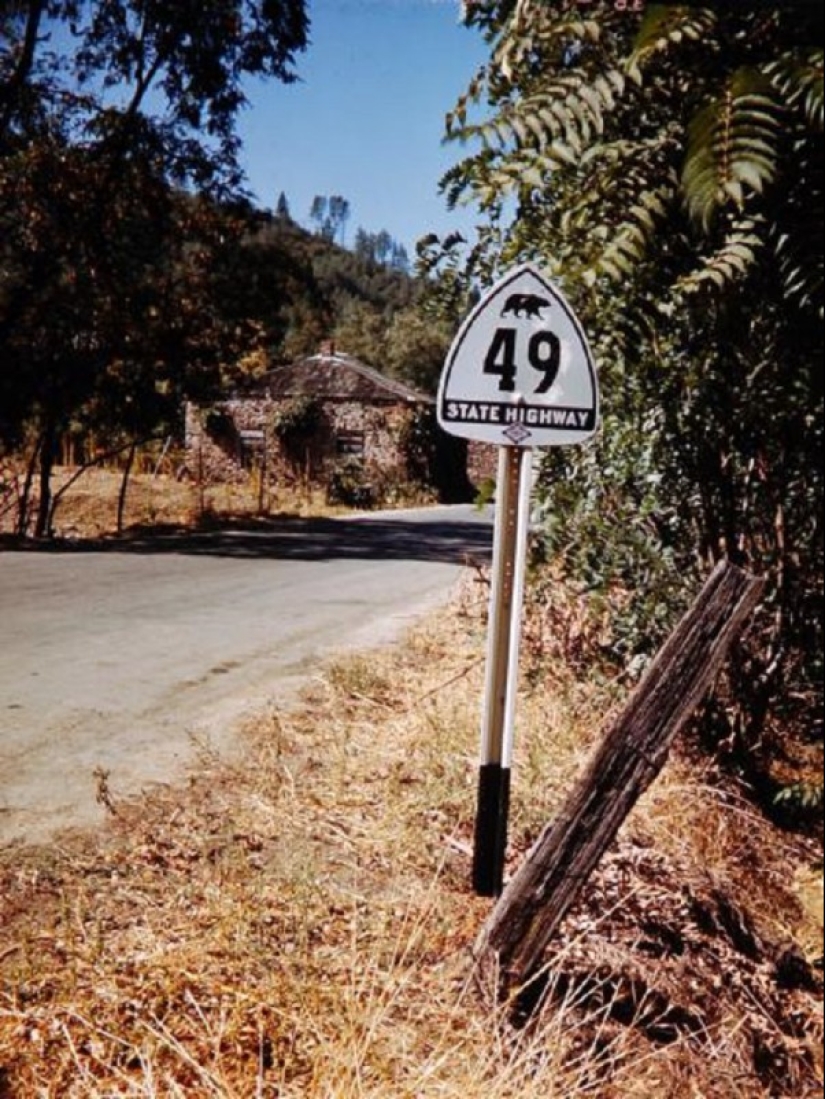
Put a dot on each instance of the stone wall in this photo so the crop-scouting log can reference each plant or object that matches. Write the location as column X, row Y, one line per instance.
column 482, row 463
column 242, row 432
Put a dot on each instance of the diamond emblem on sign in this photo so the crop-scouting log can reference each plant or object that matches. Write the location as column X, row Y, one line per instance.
column 518, row 433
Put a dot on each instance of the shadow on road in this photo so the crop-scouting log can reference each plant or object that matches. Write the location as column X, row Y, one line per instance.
column 438, row 539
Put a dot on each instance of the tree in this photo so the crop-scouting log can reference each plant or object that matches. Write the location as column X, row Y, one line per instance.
column 383, row 248
column 667, row 171
column 111, row 113
column 445, row 274
column 400, row 258
column 339, row 213
column 330, row 215
column 416, row 348
column 364, row 247
column 361, row 330
column 318, row 215
column 282, row 209
column 191, row 58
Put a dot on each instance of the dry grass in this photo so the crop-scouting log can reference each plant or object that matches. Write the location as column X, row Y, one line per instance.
column 89, row 507
column 299, row 925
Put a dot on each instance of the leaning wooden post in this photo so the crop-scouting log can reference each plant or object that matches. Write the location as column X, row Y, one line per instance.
column 634, row 750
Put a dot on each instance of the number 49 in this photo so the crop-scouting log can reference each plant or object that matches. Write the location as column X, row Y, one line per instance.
column 543, row 354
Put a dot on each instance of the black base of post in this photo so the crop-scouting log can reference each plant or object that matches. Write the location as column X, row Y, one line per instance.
column 491, row 830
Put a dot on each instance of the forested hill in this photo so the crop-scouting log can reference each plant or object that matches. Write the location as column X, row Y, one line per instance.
column 132, row 277
column 292, row 289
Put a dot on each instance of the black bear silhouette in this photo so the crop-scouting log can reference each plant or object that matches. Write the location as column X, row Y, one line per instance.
column 525, row 305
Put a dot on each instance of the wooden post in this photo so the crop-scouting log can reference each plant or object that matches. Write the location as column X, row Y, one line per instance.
column 633, row 752
column 493, row 789
column 201, row 486
column 262, row 477
column 503, row 631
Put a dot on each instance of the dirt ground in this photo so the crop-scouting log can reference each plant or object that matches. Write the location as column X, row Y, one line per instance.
column 299, row 924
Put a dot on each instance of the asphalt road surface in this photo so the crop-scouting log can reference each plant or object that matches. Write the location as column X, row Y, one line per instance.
column 127, row 656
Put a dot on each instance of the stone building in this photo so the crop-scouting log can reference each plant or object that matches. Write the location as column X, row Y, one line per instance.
column 313, row 418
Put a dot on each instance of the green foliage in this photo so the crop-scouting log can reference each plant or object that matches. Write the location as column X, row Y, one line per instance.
column 350, row 486
column 117, row 154
column 329, row 215
column 665, row 27
column 802, row 795
column 732, row 261
column 312, row 289
column 485, row 494
column 733, row 146
column 418, row 444
column 605, row 519
column 433, row 462
column 797, row 76
column 416, row 347
column 602, row 142
column 379, row 250
column 265, row 287
column 447, row 294
column 116, row 57
column 220, row 425
column 298, row 420
column 296, row 424
column 667, row 171
column 360, row 330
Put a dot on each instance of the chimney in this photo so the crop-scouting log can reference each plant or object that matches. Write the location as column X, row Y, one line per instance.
column 327, row 350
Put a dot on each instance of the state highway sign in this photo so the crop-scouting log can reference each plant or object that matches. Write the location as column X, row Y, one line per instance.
column 520, row 372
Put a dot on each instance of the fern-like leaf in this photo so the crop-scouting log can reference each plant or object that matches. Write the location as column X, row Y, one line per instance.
column 533, row 27
column 800, row 81
column 665, row 26
column 731, row 262
column 560, row 121
column 630, row 243
column 733, row 147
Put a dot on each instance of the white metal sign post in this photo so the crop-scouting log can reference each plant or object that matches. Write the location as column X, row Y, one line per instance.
column 520, row 375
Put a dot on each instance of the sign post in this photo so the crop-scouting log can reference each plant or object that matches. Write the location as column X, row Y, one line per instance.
column 498, row 716
column 519, row 374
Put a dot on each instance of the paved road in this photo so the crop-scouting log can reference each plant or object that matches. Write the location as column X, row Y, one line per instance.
column 122, row 656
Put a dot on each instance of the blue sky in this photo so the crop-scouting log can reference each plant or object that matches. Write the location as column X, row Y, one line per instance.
column 367, row 119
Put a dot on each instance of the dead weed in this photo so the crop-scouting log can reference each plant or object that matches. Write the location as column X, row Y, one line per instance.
column 159, row 501
column 299, row 924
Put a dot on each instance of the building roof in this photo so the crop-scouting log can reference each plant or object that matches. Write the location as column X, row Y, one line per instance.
column 334, row 376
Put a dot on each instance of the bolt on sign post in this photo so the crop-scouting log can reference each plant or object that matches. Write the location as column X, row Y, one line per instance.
column 519, row 375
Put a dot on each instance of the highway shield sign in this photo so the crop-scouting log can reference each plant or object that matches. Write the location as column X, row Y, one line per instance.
column 520, row 372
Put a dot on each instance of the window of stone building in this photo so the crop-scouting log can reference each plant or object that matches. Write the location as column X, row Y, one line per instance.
column 251, row 448
column 350, row 444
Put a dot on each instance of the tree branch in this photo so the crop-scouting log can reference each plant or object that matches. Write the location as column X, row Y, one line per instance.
column 10, row 91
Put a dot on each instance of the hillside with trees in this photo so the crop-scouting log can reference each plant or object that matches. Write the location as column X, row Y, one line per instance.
column 118, row 154
column 297, row 287
column 133, row 271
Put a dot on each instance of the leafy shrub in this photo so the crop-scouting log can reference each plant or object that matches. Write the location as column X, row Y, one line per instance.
column 220, row 426
column 298, row 420
column 349, row 486
column 417, row 444
column 804, row 795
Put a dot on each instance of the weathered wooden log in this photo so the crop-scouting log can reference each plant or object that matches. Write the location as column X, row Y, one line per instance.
column 633, row 752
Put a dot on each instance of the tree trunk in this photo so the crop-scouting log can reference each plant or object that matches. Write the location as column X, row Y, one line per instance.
column 633, row 752
column 43, row 524
column 24, row 499
column 124, row 484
